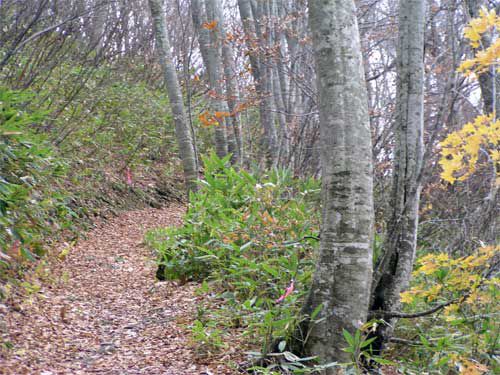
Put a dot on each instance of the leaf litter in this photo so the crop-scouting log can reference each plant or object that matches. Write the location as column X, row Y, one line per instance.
column 99, row 309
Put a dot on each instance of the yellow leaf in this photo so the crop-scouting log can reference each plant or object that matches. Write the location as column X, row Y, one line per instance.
column 407, row 297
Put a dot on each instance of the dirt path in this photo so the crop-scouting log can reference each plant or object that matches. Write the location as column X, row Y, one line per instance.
column 100, row 312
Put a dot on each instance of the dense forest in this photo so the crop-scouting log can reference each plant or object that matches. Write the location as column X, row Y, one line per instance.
column 249, row 186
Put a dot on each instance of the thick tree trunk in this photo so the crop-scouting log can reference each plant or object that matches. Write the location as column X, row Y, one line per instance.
column 182, row 132
column 210, row 53
column 343, row 274
column 393, row 270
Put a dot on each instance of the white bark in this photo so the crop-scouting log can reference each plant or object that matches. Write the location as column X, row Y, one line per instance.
column 342, row 279
column 99, row 18
column 210, row 53
column 182, row 132
column 224, row 67
column 393, row 271
column 261, row 79
column 232, row 94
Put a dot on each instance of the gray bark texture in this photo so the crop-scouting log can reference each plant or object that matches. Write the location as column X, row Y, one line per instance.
column 99, row 17
column 484, row 216
column 232, row 94
column 222, row 56
column 488, row 81
column 279, row 92
column 210, row 53
column 393, row 270
column 261, row 78
column 182, row 132
column 343, row 275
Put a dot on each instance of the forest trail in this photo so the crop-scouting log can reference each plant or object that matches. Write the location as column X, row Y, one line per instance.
column 100, row 311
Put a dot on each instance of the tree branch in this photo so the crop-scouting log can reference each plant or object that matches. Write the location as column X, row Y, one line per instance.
column 398, row 340
column 400, row 315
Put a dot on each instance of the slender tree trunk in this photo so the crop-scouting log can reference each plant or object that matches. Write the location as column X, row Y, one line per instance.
column 489, row 81
column 232, row 94
column 232, row 100
column 210, row 53
column 182, row 132
column 280, row 115
column 225, row 67
column 278, row 11
column 394, row 268
column 125, row 16
column 260, row 16
column 276, row 65
column 261, row 79
column 99, row 17
column 342, row 279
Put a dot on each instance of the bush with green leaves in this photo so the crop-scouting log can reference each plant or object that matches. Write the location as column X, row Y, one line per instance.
column 249, row 237
column 119, row 120
column 32, row 202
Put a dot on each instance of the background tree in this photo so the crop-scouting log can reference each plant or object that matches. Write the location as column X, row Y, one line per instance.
column 393, row 269
column 184, row 138
column 260, row 73
column 211, row 55
column 231, row 84
column 489, row 81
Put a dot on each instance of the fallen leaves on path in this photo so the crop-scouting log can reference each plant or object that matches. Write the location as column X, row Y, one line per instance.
column 100, row 311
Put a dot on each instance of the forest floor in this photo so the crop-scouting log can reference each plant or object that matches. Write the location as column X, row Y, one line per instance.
column 100, row 311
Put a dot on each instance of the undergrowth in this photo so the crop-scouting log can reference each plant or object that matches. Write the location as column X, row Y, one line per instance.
column 464, row 336
column 59, row 169
column 249, row 240
column 33, row 202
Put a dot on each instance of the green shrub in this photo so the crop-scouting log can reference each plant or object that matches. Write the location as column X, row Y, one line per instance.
column 246, row 237
column 32, row 203
column 119, row 122
column 250, row 236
